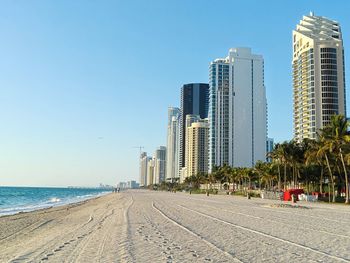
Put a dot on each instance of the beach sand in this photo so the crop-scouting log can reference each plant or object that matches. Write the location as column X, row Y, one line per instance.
column 147, row 226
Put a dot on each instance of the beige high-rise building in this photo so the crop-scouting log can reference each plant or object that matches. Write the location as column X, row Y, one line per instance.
column 318, row 75
column 197, row 136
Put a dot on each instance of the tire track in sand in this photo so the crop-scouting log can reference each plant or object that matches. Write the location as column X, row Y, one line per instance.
column 124, row 245
column 266, row 235
column 232, row 257
column 280, row 222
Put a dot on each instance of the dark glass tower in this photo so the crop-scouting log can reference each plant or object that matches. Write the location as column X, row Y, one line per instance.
column 194, row 100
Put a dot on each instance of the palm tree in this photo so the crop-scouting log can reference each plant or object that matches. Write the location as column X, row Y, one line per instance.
column 245, row 174
column 323, row 152
column 294, row 159
column 226, row 172
column 209, row 179
column 312, row 158
column 195, row 180
column 336, row 138
column 276, row 160
column 282, row 151
column 260, row 168
column 268, row 177
column 234, row 175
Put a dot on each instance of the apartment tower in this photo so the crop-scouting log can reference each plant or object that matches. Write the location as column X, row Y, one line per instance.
column 159, row 165
column 194, row 101
column 173, row 144
column 143, row 168
column 237, row 109
column 197, row 135
column 318, row 75
column 150, row 171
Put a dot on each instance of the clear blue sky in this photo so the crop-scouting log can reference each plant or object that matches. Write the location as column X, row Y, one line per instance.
column 82, row 82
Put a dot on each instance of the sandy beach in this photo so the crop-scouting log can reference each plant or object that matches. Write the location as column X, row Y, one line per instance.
column 146, row 226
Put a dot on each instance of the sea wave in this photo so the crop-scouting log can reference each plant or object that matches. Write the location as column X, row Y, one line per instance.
column 54, row 200
column 50, row 202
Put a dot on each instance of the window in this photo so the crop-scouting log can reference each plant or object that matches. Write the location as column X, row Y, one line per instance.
column 328, row 61
column 328, row 50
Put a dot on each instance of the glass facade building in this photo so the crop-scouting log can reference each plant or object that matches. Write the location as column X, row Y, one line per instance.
column 194, row 101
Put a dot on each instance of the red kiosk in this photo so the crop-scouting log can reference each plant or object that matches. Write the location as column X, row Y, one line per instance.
column 287, row 195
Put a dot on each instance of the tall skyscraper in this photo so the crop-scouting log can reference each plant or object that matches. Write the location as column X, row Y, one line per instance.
column 159, row 165
column 194, row 100
column 173, row 144
column 143, row 168
column 197, row 135
column 318, row 75
column 237, row 109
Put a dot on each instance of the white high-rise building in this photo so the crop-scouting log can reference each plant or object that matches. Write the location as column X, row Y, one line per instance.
column 159, row 165
column 173, row 144
column 318, row 75
column 237, row 109
column 150, row 171
column 143, row 168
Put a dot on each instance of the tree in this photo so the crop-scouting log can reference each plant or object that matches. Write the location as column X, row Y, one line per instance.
column 283, row 154
column 276, row 161
column 323, row 152
column 226, row 172
column 266, row 173
column 336, row 138
column 313, row 158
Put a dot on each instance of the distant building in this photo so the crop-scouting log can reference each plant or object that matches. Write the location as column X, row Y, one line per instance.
column 269, row 148
column 106, row 186
column 122, row 185
column 128, row 185
column 194, row 101
column 237, row 109
column 132, row 184
column 173, row 144
column 196, row 148
column 143, row 168
column 150, row 171
column 159, row 165
column 318, row 75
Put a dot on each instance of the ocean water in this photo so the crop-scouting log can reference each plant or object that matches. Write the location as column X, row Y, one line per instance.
column 23, row 199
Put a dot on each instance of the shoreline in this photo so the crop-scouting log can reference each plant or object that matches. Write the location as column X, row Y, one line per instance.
column 43, row 206
column 48, row 229
column 46, row 209
column 55, row 208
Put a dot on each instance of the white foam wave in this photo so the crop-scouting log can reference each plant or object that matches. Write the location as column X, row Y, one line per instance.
column 55, row 200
